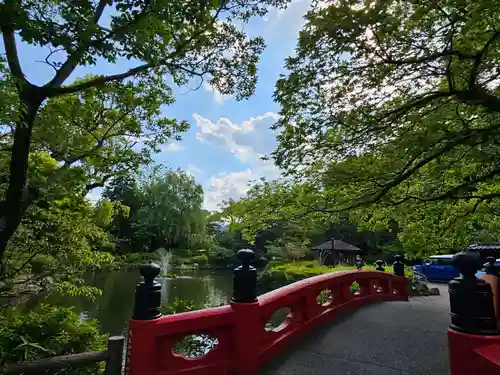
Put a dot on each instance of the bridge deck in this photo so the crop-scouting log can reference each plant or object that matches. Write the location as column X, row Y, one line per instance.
column 389, row 338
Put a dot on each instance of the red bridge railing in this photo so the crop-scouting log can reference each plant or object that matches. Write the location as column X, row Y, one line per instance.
column 243, row 343
column 474, row 333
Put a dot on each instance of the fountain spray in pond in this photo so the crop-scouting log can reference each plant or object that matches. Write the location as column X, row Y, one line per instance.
column 165, row 257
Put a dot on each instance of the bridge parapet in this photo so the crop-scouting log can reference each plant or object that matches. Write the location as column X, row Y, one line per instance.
column 474, row 334
column 242, row 342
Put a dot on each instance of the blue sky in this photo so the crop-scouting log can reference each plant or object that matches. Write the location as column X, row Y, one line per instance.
column 222, row 149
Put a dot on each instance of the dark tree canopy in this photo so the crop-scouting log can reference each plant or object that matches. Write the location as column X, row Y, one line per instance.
column 395, row 101
column 390, row 113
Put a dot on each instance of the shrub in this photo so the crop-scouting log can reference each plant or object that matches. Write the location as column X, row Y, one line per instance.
column 279, row 274
column 108, row 247
column 182, row 253
column 179, row 306
column 202, row 260
column 103, row 258
column 185, row 261
column 48, row 331
column 139, row 258
column 221, row 255
column 41, row 263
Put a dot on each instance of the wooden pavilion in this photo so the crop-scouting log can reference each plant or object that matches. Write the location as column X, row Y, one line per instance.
column 335, row 252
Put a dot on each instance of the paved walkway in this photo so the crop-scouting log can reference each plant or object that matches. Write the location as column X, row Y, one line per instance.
column 388, row 338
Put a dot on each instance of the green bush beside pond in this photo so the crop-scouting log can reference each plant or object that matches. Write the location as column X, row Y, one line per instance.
column 48, row 331
column 202, row 260
column 179, row 257
column 277, row 275
column 138, row 258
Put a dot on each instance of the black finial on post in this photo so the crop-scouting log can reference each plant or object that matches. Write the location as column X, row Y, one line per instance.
column 471, row 299
column 148, row 294
column 359, row 262
column 245, row 279
column 380, row 265
column 491, row 268
column 398, row 265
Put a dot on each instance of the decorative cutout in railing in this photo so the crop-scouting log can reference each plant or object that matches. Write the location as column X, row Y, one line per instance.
column 243, row 339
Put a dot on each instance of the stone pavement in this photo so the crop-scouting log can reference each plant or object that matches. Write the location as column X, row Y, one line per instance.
column 388, row 338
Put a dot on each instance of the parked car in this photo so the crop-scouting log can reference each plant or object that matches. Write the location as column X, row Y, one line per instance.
column 438, row 268
column 482, row 271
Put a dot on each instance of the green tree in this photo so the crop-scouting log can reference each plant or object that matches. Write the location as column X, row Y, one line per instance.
column 274, row 214
column 391, row 110
column 124, row 189
column 51, row 250
column 82, row 140
column 166, row 38
column 167, row 210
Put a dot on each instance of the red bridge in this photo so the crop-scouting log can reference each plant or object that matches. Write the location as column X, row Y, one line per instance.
column 398, row 337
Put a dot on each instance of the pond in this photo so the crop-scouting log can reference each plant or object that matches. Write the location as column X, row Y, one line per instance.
column 114, row 307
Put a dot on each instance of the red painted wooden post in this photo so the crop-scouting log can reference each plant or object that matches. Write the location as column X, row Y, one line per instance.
column 473, row 321
column 141, row 355
column 248, row 329
column 464, row 354
column 141, row 347
column 247, row 333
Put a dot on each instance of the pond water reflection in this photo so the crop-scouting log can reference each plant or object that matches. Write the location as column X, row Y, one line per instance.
column 114, row 307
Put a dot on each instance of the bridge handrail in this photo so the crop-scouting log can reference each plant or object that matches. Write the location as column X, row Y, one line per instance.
column 306, row 312
column 244, row 343
column 314, row 281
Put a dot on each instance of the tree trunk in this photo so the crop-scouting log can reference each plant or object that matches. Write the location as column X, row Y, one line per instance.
column 14, row 204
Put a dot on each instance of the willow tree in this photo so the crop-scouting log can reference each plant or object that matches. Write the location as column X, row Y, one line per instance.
column 175, row 39
column 170, row 213
column 395, row 105
column 165, row 210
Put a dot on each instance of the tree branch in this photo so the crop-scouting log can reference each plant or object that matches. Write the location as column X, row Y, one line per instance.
column 46, row 61
column 9, row 42
column 116, row 77
column 94, row 185
column 99, row 9
column 98, row 81
column 479, row 96
column 415, row 103
column 73, row 59
column 479, row 58
column 416, row 60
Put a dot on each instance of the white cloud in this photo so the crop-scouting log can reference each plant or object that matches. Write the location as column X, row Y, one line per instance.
column 218, row 97
column 287, row 21
column 226, row 185
column 193, row 170
column 173, row 147
column 235, row 185
column 248, row 141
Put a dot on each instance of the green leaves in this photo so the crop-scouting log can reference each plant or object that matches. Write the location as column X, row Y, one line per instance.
column 184, row 40
column 391, row 110
column 31, row 349
column 45, row 331
column 73, row 138
column 165, row 210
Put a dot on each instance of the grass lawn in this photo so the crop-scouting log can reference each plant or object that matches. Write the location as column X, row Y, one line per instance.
column 277, row 275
